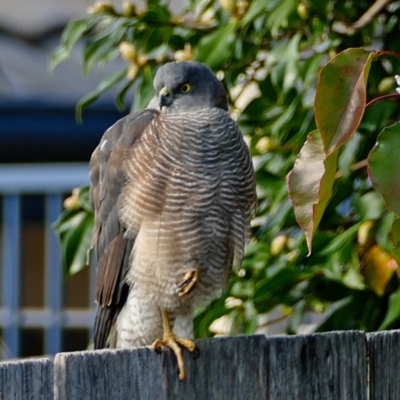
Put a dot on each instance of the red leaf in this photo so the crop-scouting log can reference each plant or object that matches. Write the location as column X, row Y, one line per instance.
column 341, row 96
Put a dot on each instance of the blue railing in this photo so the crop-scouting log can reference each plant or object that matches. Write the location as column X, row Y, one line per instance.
column 53, row 181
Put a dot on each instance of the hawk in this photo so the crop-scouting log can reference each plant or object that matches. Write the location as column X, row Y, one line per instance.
column 173, row 192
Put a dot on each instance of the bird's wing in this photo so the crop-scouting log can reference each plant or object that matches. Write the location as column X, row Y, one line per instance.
column 112, row 247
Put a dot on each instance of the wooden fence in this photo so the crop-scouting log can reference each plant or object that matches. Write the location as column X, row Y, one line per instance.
column 340, row 365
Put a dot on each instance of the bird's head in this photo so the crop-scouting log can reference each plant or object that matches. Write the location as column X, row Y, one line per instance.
column 187, row 85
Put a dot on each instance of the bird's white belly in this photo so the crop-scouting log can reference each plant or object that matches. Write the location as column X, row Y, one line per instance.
column 140, row 323
column 161, row 258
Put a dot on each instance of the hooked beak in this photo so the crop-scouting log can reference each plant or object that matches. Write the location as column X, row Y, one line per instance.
column 164, row 98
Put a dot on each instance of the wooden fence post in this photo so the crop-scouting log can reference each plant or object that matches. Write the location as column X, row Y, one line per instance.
column 108, row 375
column 26, row 380
column 384, row 359
column 232, row 368
column 326, row 366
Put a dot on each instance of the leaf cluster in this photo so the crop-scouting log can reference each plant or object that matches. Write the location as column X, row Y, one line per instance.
column 74, row 227
column 269, row 54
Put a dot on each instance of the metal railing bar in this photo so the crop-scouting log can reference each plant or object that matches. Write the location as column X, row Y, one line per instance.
column 42, row 178
column 78, row 319
column 11, row 270
column 53, row 274
column 43, row 318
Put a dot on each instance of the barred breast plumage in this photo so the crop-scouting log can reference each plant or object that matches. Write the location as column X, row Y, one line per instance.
column 188, row 197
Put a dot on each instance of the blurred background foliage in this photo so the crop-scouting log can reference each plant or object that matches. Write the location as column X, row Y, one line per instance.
column 268, row 54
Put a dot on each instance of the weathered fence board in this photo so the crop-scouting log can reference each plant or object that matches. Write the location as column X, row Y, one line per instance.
column 26, row 380
column 108, row 374
column 328, row 366
column 227, row 368
column 384, row 371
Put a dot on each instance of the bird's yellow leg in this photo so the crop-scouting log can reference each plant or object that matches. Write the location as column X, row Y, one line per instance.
column 172, row 341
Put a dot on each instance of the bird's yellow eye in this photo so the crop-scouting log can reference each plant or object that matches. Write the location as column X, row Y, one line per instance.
column 186, row 88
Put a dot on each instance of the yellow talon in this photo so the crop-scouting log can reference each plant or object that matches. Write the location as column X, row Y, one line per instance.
column 172, row 341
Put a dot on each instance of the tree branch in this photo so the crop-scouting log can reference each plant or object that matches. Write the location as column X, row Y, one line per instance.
column 387, row 96
column 363, row 21
column 273, row 321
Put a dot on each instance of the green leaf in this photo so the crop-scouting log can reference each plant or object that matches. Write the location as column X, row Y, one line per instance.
column 103, row 86
column 310, row 184
column 122, row 94
column 277, row 55
column 76, row 245
column 296, row 317
column 242, row 289
column 370, row 206
column 257, row 8
column 74, row 31
column 340, row 240
column 384, row 230
column 157, row 38
column 266, row 292
column 74, row 228
column 68, row 221
column 84, row 199
column 157, row 15
column 340, row 97
column 95, row 50
column 384, row 166
column 278, row 18
column 360, row 310
column 71, row 34
column 285, row 117
column 104, row 46
column 58, row 56
column 395, row 236
column 348, row 155
column 216, row 48
column 344, row 266
column 393, row 312
column 244, row 319
column 203, row 321
column 320, row 7
column 337, row 314
column 292, row 63
column 145, row 90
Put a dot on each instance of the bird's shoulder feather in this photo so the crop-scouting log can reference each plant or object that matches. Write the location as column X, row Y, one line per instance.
column 112, row 248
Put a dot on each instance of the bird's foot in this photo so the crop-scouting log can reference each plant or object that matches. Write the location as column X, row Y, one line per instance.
column 188, row 281
column 173, row 342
